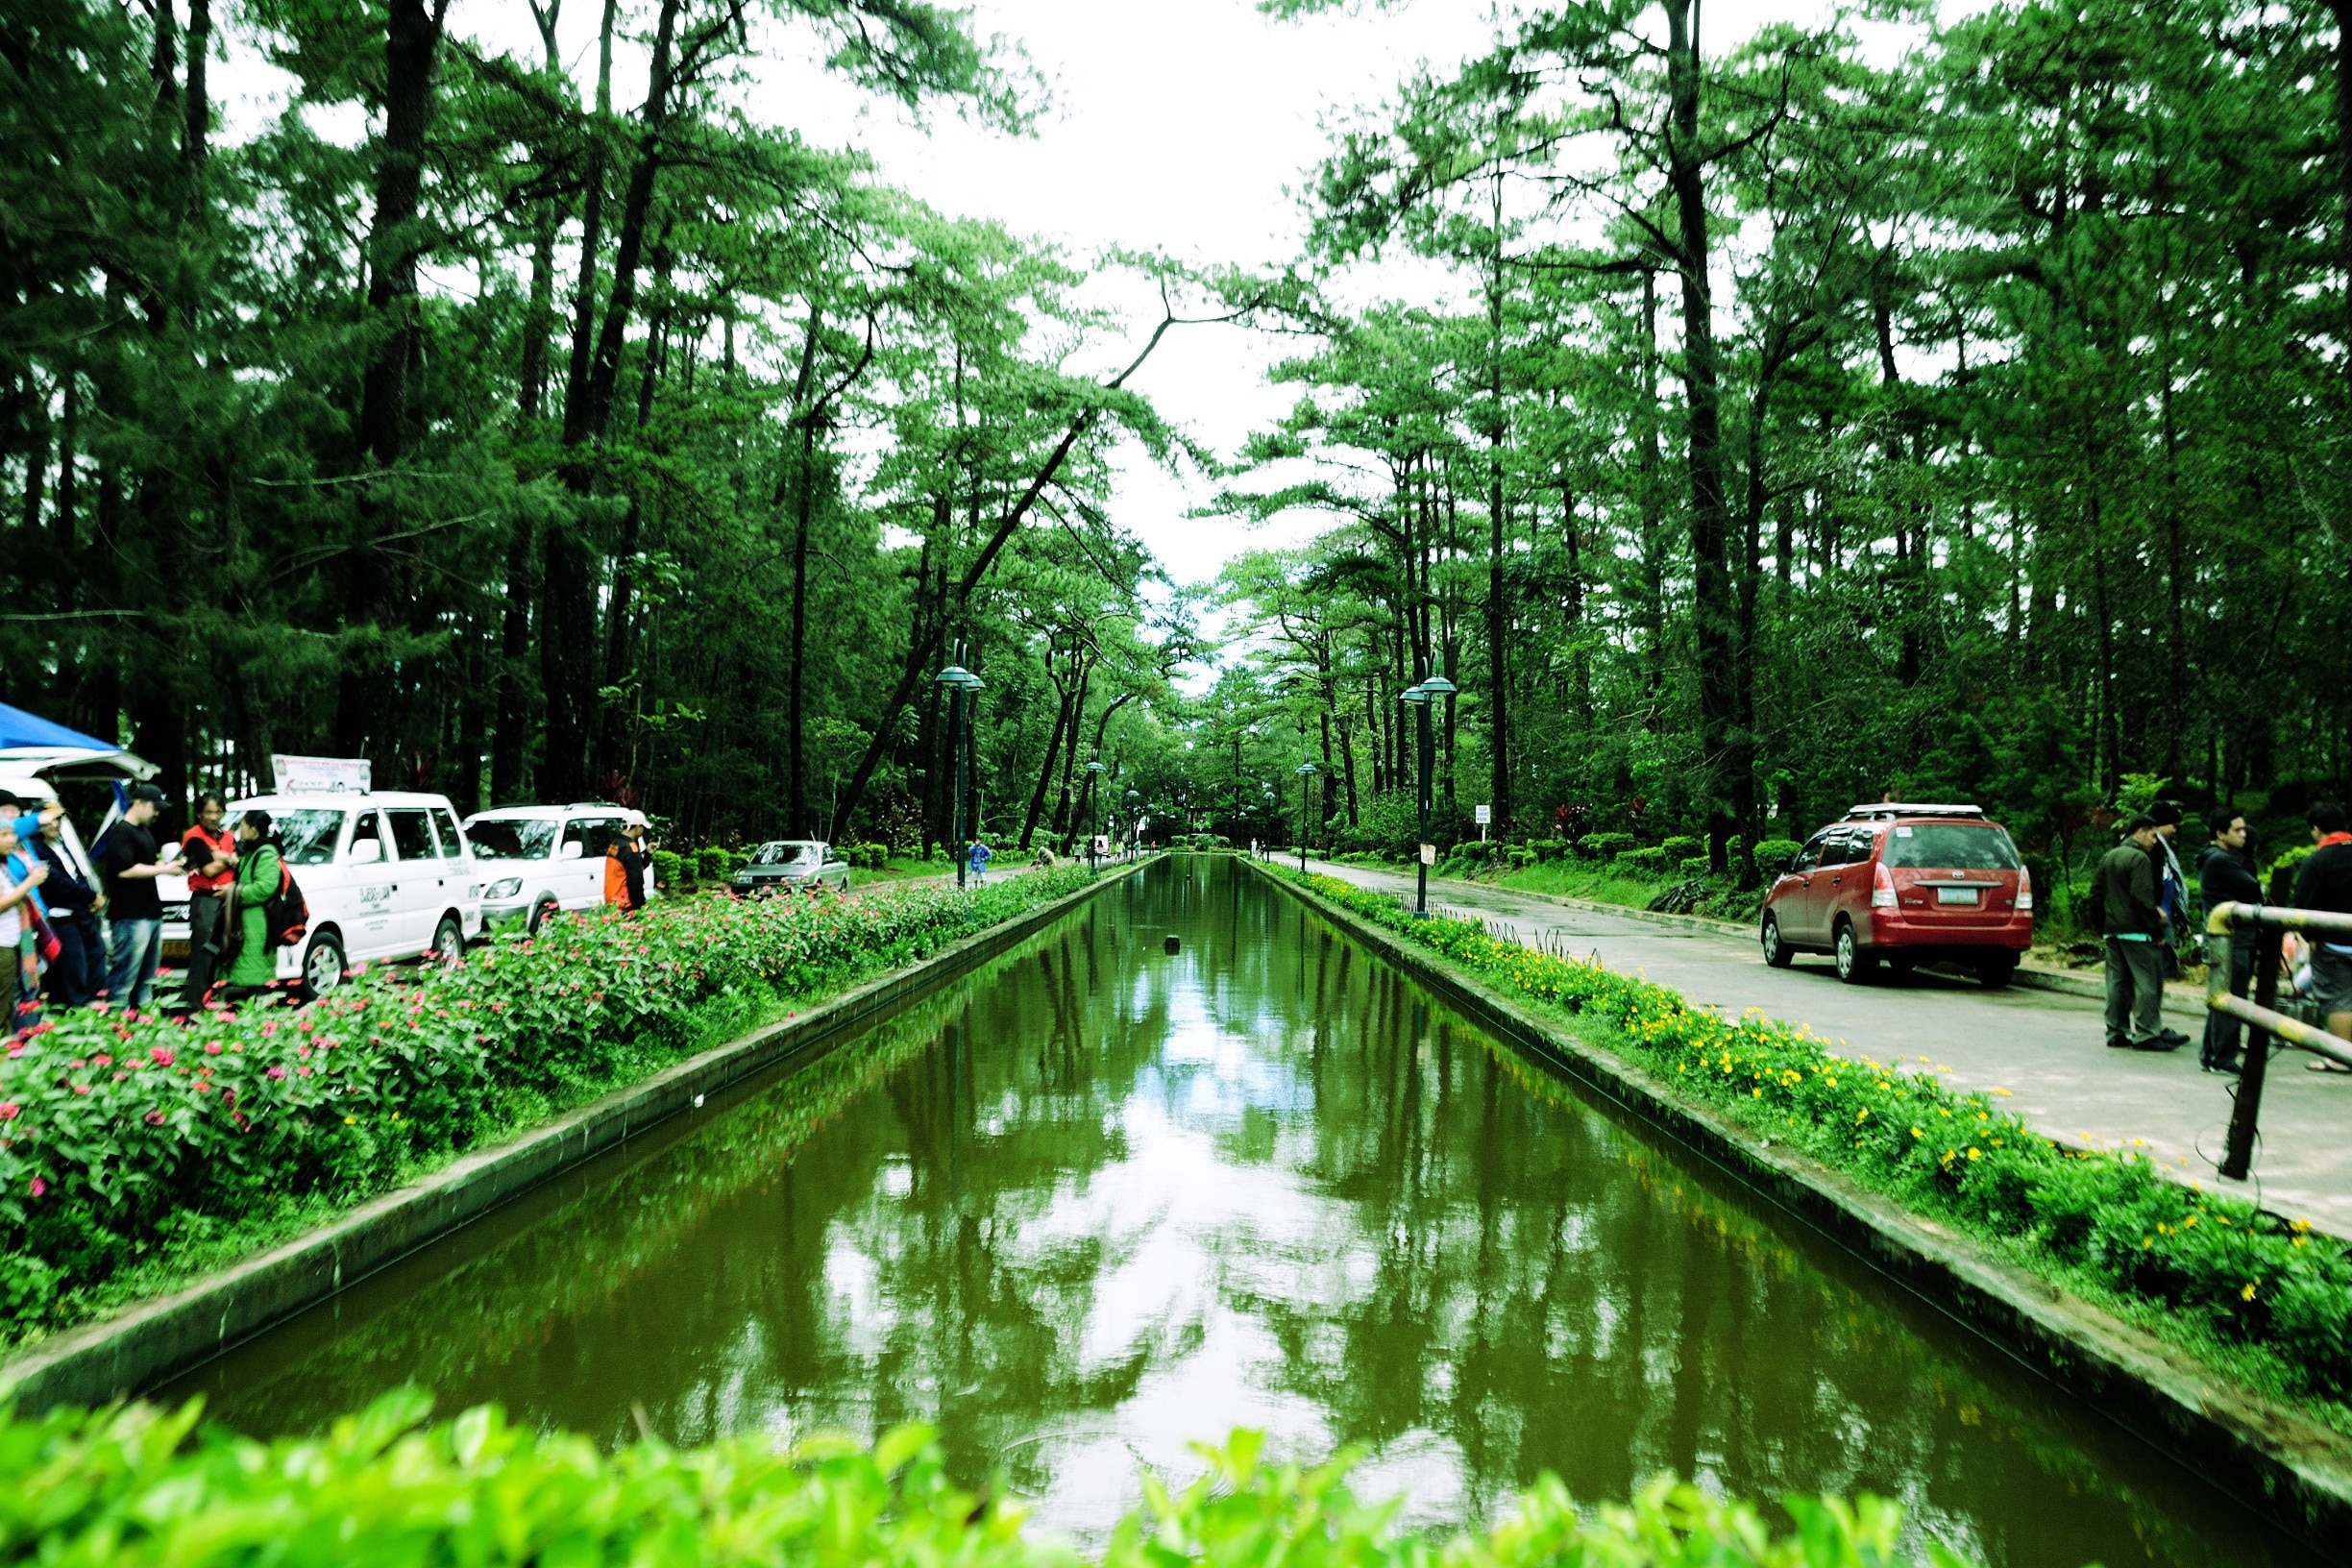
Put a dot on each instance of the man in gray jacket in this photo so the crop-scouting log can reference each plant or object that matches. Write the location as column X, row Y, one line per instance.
column 2124, row 901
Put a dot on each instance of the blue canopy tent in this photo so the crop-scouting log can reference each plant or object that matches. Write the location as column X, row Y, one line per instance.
column 19, row 729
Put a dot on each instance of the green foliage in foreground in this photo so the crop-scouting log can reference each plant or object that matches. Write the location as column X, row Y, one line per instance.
column 2273, row 1293
column 139, row 1486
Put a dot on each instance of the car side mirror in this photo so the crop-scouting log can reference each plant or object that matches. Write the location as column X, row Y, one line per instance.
column 572, row 849
column 366, row 852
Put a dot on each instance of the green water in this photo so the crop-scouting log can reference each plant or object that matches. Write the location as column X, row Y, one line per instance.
column 1097, row 1202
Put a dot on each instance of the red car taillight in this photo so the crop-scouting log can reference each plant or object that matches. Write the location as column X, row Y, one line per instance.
column 2025, row 891
column 1882, row 887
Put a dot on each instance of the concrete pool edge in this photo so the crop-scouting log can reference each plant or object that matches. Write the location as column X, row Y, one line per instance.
column 2272, row 1457
column 152, row 1341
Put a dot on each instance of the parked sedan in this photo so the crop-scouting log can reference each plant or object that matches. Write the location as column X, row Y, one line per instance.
column 781, row 865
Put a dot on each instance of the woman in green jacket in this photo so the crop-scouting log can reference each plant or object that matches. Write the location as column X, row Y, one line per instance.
column 256, row 884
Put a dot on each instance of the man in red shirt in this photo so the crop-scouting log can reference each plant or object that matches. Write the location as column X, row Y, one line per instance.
column 211, row 857
column 2325, row 882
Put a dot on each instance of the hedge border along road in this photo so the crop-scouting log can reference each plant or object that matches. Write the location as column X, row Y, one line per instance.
column 593, row 986
column 1951, row 1197
column 140, row 1487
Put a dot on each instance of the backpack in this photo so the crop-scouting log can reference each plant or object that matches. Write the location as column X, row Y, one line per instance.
column 286, row 918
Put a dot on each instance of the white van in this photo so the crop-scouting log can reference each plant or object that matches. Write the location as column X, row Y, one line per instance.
column 387, row 875
column 536, row 860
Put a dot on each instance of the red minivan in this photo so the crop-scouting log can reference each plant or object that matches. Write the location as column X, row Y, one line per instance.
column 1911, row 884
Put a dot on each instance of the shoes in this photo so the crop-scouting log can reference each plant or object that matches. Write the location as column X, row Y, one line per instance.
column 2117, row 1043
column 2233, row 1067
column 2168, row 1040
column 2172, row 1035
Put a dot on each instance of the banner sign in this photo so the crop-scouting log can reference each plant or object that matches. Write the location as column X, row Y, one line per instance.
column 1429, row 854
column 322, row 775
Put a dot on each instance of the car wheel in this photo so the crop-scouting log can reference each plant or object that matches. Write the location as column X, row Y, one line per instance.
column 541, row 913
column 1775, row 951
column 323, row 963
column 449, row 940
column 1853, row 964
column 1996, row 972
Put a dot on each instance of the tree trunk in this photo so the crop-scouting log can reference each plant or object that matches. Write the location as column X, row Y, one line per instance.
column 1046, row 773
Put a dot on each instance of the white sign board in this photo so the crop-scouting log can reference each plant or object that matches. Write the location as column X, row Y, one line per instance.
column 322, row 775
column 1485, row 815
column 1429, row 854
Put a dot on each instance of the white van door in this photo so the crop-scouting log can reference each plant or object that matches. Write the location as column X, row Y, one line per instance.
column 584, row 883
column 369, row 914
column 463, row 885
column 420, row 889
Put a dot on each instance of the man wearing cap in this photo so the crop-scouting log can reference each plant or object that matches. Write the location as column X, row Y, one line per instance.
column 2124, row 901
column 128, row 862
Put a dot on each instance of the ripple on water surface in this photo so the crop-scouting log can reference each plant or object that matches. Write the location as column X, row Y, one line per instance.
column 1102, row 1201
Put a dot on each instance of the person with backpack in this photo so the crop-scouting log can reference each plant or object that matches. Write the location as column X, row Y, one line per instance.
column 2123, row 895
column 259, row 873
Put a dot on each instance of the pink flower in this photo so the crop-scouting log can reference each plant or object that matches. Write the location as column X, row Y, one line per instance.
column 76, row 1062
column 275, row 1072
column 155, row 1118
column 81, row 1089
column 302, row 1072
column 39, row 1186
column 160, row 1056
column 9, row 1110
column 211, row 1047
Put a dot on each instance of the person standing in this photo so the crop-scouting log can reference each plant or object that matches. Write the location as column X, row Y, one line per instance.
column 208, row 851
column 2171, row 884
column 17, row 882
column 260, row 871
column 129, row 863
column 625, row 869
column 2325, row 883
column 978, row 860
column 2224, row 878
column 74, row 902
column 2123, row 893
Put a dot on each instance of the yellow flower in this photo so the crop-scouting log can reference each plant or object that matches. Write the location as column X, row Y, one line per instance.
column 2248, row 1294
column 1916, row 1133
column 1975, row 1153
column 350, row 1122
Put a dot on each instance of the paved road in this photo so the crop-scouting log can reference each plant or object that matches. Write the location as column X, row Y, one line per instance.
column 2046, row 1049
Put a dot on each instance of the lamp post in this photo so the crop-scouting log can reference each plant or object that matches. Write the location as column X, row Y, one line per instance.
column 1432, row 688
column 1306, row 772
column 961, row 684
column 1135, row 827
column 1419, row 700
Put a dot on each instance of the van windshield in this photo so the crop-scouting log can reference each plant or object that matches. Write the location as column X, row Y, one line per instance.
column 1953, row 847
column 308, row 834
column 512, row 838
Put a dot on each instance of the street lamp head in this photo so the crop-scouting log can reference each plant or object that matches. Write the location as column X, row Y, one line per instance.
column 955, row 675
column 1094, row 767
column 1414, row 695
column 1306, row 767
column 1437, row 686
column 973, row 683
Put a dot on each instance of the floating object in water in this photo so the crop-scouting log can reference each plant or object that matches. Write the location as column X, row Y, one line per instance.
column 1172, row 942
column 698, row 1102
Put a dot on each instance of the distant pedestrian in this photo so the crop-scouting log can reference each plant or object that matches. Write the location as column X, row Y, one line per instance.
column 978, row 858
column 2124, row 903
column 129, row 865
column 17, row 906
column 261, row 872
column 71, row 893
column 2171, row 884
column 2224, row 876
column 624, row 868
column 208, row 851
column 2325, row 883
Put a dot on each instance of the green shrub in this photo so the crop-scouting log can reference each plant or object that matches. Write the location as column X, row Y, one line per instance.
column 138, row 1487
column 1476, row 851
column 1641, row 862
column 122, row 1129
column 668, row 868
column 1773, row 856
column 1693, row 865
column 1521, row 857
column 712, row 865
column 1680, row 847
column 1549, row 850
column 1605, row 847
column 2217, row 1265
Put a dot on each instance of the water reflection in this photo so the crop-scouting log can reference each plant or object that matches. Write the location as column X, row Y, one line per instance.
column 1102, row 1202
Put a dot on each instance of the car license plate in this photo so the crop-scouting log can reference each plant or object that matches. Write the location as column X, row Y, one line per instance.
column 1955, row 895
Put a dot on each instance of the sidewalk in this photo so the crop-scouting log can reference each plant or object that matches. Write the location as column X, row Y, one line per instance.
column 2040, row 1040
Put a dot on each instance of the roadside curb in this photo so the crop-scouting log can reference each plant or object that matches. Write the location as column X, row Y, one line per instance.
column 2190, row 1009
column 2272, row 1458
column 148, row 1344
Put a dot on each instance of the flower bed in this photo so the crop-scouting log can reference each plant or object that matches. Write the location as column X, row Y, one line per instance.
column 132, row 1487
column 123, row 1138
column 2269, row 1289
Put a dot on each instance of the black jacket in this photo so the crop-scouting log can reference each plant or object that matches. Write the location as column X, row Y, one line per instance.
column 2325, row 881
column 2223, row 878
column 2124, row 893
column 65, row 892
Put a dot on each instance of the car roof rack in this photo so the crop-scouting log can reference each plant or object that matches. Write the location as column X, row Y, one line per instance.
column 1879, row 810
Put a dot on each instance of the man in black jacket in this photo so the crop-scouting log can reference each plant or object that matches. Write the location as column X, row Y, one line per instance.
column 2223, row 877
column 2124, row 901
column 2325, row 882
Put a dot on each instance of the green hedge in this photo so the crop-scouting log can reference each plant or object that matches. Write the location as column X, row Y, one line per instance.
column 2267, row 1298
column 1642, row 862
column 713, row 864
column 1774, row 856
column 1605, row 847
column 1680, row 847
column 1695, row 866
column 140, row 1487
column 668, row 868
column 128, row 1139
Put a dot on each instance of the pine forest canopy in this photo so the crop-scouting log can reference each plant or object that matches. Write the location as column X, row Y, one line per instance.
column 1798, row 424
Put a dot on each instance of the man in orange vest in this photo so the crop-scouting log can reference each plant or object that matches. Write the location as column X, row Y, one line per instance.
column 624, row 868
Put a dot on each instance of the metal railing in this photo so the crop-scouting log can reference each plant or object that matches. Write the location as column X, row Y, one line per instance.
column 2272, row 923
